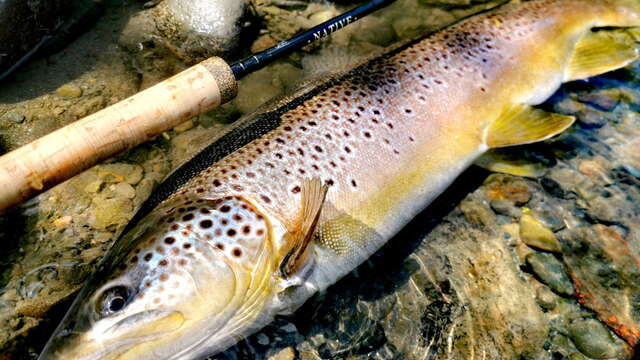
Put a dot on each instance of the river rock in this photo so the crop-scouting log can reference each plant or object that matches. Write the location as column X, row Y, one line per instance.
column 551, row 271
column 594, row 340
column 535, row 234
column 202, row 28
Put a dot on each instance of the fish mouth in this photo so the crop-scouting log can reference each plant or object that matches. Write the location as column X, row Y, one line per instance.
column 119, row 341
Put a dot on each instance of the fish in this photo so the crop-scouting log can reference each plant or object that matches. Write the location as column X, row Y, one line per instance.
column 295, row 196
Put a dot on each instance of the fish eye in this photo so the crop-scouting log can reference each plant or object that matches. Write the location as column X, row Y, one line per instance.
column 113, row 300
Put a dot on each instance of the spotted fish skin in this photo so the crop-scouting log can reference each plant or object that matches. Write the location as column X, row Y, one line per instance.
column 199, row 266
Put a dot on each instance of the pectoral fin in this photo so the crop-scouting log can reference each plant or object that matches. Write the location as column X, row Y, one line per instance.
column 523, row 124
column 313, row 195
column 602, row 51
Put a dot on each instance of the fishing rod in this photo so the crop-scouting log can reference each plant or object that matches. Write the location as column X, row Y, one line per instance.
column 56, row 157
column 262, row 59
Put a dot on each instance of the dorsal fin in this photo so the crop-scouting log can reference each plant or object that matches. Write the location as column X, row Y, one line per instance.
column 313, row 195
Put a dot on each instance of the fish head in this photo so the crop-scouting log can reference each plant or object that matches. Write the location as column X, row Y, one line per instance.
column 191, row 279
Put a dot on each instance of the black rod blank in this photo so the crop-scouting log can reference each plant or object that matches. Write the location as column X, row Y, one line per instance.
column 259, row 60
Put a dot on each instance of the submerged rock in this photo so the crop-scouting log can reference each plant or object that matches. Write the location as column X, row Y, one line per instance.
column 593, row 339
column 190, row 31
column 202, row 28
column 535, row 234
column 551, row 271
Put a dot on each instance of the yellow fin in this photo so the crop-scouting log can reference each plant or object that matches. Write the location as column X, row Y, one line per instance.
column 313, row 195
column 497, row 160
column 602, row 51
column 523, row 124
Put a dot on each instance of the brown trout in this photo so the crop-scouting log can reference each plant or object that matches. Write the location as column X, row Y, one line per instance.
column 296, row 196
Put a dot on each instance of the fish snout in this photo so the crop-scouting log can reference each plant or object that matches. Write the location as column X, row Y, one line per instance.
column 122, row 340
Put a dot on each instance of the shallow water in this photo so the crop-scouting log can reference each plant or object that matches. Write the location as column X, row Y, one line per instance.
column 499, row 267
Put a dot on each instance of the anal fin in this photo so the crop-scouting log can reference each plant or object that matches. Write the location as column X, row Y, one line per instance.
column 522, row 124
column 602, row 51
column 313, row 194
column 503, row 161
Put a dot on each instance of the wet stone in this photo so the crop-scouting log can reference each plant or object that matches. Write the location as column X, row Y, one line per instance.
column 123, row 189
column 201, row 28
column 505, row 207
column 592, row 119
column 262, row 339
column 253, row 91
column 477, row 213
column 322, row 16
column 284, row 354
column 285, row 76
column 14, row 117
column 107, row 213
column 594, row 340
column 577, row 356
column 507, row 187
column 546, row 298
column 605, row 100
column 144, row 189
column 118, row 172
column 263, row 43
column 93, row 186
column 551, row 272
column 184, row 126
column 604, row 264
column 69, row 91
column 604, row 210
column 550, row 218
column 595, row 171
column 553, row 188
column 535, row 234
column 374, row 30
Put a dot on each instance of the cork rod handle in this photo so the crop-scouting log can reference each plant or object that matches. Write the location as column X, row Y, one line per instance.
column 37, row 166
